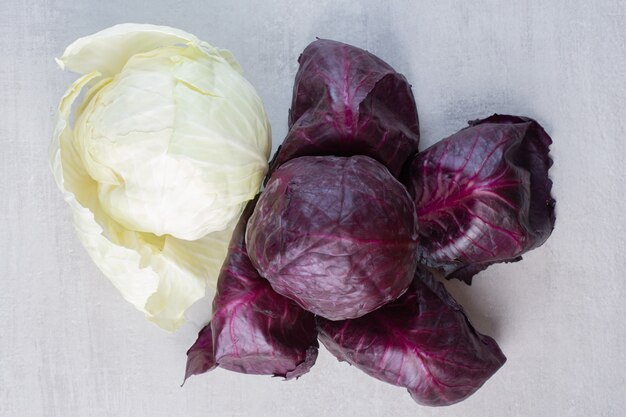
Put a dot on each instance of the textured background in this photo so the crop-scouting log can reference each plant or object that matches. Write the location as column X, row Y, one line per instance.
column 69, row 344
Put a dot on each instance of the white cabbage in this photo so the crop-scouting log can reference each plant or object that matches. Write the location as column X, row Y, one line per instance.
column 169, row 143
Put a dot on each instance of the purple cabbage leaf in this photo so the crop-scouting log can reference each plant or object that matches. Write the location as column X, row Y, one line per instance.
column 335, row 234
column 482, row 195
column 253, row 329
column 346, row 101
column 423, row 341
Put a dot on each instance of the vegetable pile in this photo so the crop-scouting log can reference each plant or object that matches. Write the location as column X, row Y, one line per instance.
column 340, row 243
column 162, row 167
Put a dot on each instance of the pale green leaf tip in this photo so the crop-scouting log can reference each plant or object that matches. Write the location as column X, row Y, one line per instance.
column 60, row 63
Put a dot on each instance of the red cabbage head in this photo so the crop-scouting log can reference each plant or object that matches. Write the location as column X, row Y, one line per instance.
column 335, row 234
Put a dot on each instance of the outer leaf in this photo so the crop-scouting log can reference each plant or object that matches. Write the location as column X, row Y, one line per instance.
column 253, row 330
column 423, row 341
column 347, row 102
column 108, row 50
column 337, row 235
column 482, row 195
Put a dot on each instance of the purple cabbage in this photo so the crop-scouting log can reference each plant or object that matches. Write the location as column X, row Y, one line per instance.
column 347, row 102
column 337, row 235
column 423, row 341
column 253, row 329
column 482, row 195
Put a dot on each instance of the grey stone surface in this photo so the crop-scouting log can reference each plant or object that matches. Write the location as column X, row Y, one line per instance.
column 71, row 346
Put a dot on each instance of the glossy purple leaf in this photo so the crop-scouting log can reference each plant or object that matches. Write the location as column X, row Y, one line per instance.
column 253, row 329
column 482, row 195
column 423, row 341
column 335, row 234
column 347, row 102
